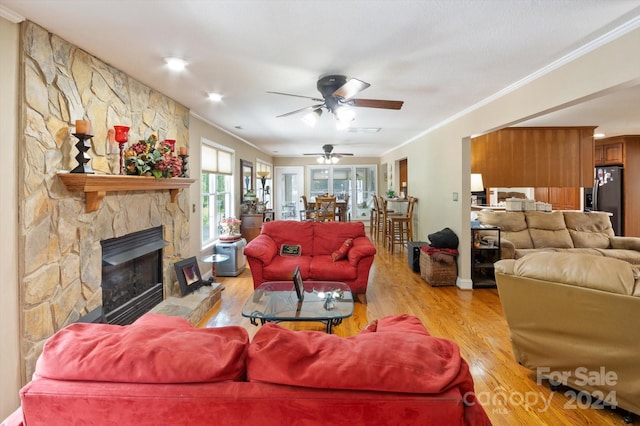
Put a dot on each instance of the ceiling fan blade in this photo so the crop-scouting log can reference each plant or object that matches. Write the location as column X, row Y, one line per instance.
column 309, row 108
column 342, row 154
column 374, row 103
column 297, row 96
column 350, row 88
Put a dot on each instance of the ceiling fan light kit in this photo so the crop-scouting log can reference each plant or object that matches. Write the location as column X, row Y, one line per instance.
column 328, row 156
column 311, row 118
column 337, row 98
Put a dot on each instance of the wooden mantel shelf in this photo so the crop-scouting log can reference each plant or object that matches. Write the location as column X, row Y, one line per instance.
column 96, row 187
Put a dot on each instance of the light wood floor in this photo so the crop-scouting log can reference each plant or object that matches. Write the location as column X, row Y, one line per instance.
column 473, row 319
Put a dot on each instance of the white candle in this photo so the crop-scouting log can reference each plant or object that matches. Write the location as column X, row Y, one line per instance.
column 83, row 127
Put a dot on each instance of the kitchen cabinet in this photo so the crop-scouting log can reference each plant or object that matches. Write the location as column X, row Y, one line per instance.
column 608, row 153
column 559, row 198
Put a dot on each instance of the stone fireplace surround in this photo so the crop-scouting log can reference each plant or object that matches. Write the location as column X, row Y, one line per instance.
column 60, row 253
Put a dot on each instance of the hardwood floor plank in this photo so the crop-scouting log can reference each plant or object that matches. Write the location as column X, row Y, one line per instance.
column 472, row 318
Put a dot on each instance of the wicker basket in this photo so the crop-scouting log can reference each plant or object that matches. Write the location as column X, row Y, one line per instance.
column 436, row 273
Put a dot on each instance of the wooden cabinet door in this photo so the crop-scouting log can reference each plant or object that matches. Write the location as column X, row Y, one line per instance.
column 613, row 153
column 541, row 194
column 598, row 155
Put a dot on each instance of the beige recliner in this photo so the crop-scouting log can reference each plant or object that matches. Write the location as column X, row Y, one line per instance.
column 575, row 318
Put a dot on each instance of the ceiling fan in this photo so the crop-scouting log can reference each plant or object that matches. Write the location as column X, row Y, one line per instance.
column 328, row 156
column 337, row 93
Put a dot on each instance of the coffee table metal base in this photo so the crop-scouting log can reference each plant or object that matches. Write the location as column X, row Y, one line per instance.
column 328, row 323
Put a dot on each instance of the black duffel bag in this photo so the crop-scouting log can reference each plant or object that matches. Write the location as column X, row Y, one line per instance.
column 444, row 239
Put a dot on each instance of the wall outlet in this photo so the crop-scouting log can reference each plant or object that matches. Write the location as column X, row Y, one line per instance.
column 455, row 196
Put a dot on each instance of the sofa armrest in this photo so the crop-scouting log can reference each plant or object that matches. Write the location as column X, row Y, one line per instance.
column 505, row 266
column 362, row 247
column 507, row 249
column 262, row 248
column 628, row 243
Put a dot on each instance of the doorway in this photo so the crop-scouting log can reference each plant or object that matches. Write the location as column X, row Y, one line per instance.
column 289, row 182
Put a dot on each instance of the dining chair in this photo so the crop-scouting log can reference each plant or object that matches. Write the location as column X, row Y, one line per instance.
column 326, row 208
column 309, row 212
column 400, row 227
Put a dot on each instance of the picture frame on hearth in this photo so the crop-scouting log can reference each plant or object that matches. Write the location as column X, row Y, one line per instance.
column 189, row 276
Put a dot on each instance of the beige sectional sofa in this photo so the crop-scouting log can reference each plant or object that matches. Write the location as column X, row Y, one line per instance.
column 560, row 231
column 574, row 318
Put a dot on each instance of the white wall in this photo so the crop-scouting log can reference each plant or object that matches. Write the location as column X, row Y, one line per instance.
column 440, row 159
column 9, row 300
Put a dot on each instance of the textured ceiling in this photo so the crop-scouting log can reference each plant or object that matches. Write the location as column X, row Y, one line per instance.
column 439, row 56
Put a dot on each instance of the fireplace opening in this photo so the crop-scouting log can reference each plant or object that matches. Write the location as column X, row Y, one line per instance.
column 132, row 281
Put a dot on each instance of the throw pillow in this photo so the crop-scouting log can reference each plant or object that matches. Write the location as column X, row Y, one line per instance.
column 290, row 250
column 342, row 252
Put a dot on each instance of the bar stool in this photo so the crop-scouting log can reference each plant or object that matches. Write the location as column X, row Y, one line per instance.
column 400, row 227
column 376, row 219
column 384, row 217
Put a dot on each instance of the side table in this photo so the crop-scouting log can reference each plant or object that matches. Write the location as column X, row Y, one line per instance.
column 485, row 251
column 213, row 259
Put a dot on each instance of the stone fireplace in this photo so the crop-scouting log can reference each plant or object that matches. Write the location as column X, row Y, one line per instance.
column 61, row 243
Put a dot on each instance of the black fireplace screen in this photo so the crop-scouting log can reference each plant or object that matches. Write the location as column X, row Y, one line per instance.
column 132, row 275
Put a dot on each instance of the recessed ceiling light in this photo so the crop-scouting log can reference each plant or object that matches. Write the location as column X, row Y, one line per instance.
column 598, row 135
column 175, row 64
column 363, row 129
column 215, row 97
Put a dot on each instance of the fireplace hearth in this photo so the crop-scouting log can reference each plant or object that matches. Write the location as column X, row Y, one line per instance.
column 131, row 275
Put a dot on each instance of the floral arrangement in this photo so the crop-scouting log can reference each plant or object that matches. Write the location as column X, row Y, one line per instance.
column 148, row 157
column 230, row 228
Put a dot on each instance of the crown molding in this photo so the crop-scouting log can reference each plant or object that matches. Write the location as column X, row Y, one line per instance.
column 10, row 15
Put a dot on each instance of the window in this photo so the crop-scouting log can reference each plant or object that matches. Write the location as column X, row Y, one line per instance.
column 356, row 182
column 216, row 190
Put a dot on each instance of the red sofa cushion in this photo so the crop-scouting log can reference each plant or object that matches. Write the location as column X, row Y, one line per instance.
column 390, row 361
column 329, row 236
column 144, row 353
column 290, row 232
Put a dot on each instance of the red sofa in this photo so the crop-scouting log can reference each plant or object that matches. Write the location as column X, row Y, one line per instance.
column 318, row 241
column 160, row 370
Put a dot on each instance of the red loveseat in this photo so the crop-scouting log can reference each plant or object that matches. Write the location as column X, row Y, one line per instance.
column 318, row 240
column 162, row 371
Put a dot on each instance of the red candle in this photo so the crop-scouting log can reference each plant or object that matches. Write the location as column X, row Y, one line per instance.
column 122, row 134
column 171, row 143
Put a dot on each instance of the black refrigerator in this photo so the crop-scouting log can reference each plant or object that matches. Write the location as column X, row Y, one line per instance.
column 608, row 193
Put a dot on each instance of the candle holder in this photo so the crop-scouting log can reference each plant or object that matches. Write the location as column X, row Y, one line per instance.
column 184, row 157
column 83, row 158
column 122, row 137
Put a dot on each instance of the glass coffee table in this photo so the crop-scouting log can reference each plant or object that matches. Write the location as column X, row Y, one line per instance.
column 327, row 302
